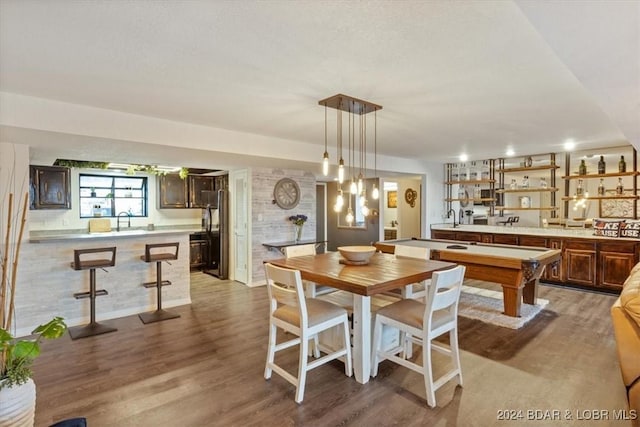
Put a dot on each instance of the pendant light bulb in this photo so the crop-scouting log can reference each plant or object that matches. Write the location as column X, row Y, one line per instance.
column 360, row 184
column 349, row 216
column 341, row 171
column 365, row 210
column 353, row 189
column 325, row 164
column 339, row 201
column 375, row 194
column 362, row 200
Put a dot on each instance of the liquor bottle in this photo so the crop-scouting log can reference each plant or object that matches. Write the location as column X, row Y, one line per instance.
column 582, row 170
column 622, row 165
column 513, row 185
column 463, row 172
column 525, row 182
column 601, row 166
column 543, row 182
column 601, row 190
column 579, row 189
column 619, row 187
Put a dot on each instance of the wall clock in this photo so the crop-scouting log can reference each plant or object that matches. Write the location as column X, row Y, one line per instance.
column 286, row 193
column 410, row 196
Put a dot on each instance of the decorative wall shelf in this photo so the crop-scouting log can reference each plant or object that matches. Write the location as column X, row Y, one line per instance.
column 602, row 175
column 509, row 208
column 615, row 197
column 471, row 181
column 526, row 190
column 526, row 169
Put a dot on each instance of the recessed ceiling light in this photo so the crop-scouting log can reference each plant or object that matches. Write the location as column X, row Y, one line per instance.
column 569, row 144
column 510, row 152
column 464, row 157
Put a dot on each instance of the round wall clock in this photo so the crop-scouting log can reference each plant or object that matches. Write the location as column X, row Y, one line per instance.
column 410, row 196
column 286, row 193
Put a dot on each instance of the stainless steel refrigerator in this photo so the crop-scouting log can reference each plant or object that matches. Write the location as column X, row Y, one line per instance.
column 215, row 223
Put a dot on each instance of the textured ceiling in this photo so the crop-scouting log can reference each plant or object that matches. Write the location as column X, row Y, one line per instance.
column 452, row 77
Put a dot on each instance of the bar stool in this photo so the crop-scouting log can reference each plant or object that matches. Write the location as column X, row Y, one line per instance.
column 158, row 257
column 93, row 328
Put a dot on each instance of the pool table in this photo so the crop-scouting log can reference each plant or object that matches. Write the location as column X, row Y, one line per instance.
column 516, row 268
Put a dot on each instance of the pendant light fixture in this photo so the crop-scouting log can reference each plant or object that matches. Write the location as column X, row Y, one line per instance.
column 355, row 108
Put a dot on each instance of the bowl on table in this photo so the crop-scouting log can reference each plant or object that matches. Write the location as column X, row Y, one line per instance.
column 357, row 254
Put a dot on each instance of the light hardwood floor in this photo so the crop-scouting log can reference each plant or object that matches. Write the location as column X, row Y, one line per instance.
column 206, row 369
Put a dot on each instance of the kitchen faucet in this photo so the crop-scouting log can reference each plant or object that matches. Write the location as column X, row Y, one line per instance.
column 454, row 216
column 118, row 220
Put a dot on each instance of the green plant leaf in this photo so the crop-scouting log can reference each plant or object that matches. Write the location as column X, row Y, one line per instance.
column 55, row 328
column 25, row 350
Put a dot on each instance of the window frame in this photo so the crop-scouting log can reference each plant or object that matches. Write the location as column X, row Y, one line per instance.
column 114, row 193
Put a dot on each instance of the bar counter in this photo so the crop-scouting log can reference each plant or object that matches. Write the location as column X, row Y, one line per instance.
column 46, row 282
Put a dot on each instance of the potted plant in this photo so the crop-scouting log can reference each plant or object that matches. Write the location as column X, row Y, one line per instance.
column 17, row 390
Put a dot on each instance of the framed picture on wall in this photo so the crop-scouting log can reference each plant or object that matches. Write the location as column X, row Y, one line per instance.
column 392, row 199
column 617, row 208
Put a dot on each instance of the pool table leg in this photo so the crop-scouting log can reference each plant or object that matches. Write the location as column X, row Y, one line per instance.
column 530, row 293
column 512, row 298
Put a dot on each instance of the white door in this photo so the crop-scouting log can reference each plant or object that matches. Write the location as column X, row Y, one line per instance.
column 239, row 244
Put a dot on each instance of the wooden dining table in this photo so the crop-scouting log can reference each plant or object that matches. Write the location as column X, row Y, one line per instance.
column 383, row 273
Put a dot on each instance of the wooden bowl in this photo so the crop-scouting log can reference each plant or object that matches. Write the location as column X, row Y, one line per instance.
column 357, row 253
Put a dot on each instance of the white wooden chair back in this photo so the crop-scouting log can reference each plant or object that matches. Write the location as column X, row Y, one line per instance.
column 444, row 293
column 411, row 252
column 299, row 250
column 285, row 288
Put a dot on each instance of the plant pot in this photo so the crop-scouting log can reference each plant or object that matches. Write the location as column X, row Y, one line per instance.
column 18, row 405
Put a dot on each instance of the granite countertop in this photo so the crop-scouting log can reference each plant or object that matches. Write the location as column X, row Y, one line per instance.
column 66, row 235
column 586, row 233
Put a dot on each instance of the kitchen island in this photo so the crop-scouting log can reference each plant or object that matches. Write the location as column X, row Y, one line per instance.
column 46, row 282
column 587, row 261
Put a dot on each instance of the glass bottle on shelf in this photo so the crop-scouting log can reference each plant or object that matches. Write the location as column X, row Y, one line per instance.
column 477, row 194
column 580, row 189
column 454, row 172
column 525, row 182
column 463, row 172
column 601, row 166
column 543, row 182
column 620, row 187
column 513, row 185
column 622, row 165
column 473, row 172
column 485, row 170
column 582, row 169
column 462, row 193
column 601, row 191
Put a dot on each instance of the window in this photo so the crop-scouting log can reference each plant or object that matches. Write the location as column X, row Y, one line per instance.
column 106, row 196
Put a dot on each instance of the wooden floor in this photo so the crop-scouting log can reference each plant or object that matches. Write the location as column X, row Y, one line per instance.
column 206, row 369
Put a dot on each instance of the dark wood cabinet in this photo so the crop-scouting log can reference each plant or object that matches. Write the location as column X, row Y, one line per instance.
column 444, row 235
column 172, row 191
column 505, row 239
column 553, row 272
column 197, row 184
column 615, row 260
column 175, row 192
column 534, row 241
column 197, row 253
column 50, row 187
column 580, row 263
column 590, row 263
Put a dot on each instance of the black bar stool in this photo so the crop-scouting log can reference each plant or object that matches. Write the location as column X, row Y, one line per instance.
column 93, row 328
column 158, row 257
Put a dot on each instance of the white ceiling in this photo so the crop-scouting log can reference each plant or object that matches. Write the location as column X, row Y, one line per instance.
column 452, row 77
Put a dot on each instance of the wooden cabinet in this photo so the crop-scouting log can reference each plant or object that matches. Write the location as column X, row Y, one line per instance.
column 444, row 235
column 390, row 234
column 615, row 260
column 175, row 192
column 595, row 264
column 50, row 187
column 505, row 239
column 197, row 184
column 172, row 191
column 580, row 263
column 554, row 272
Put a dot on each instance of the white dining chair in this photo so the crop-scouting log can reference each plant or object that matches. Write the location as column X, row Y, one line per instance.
column 312, row 290
column 304, row 317
column 415, row 291
column 422, row 323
